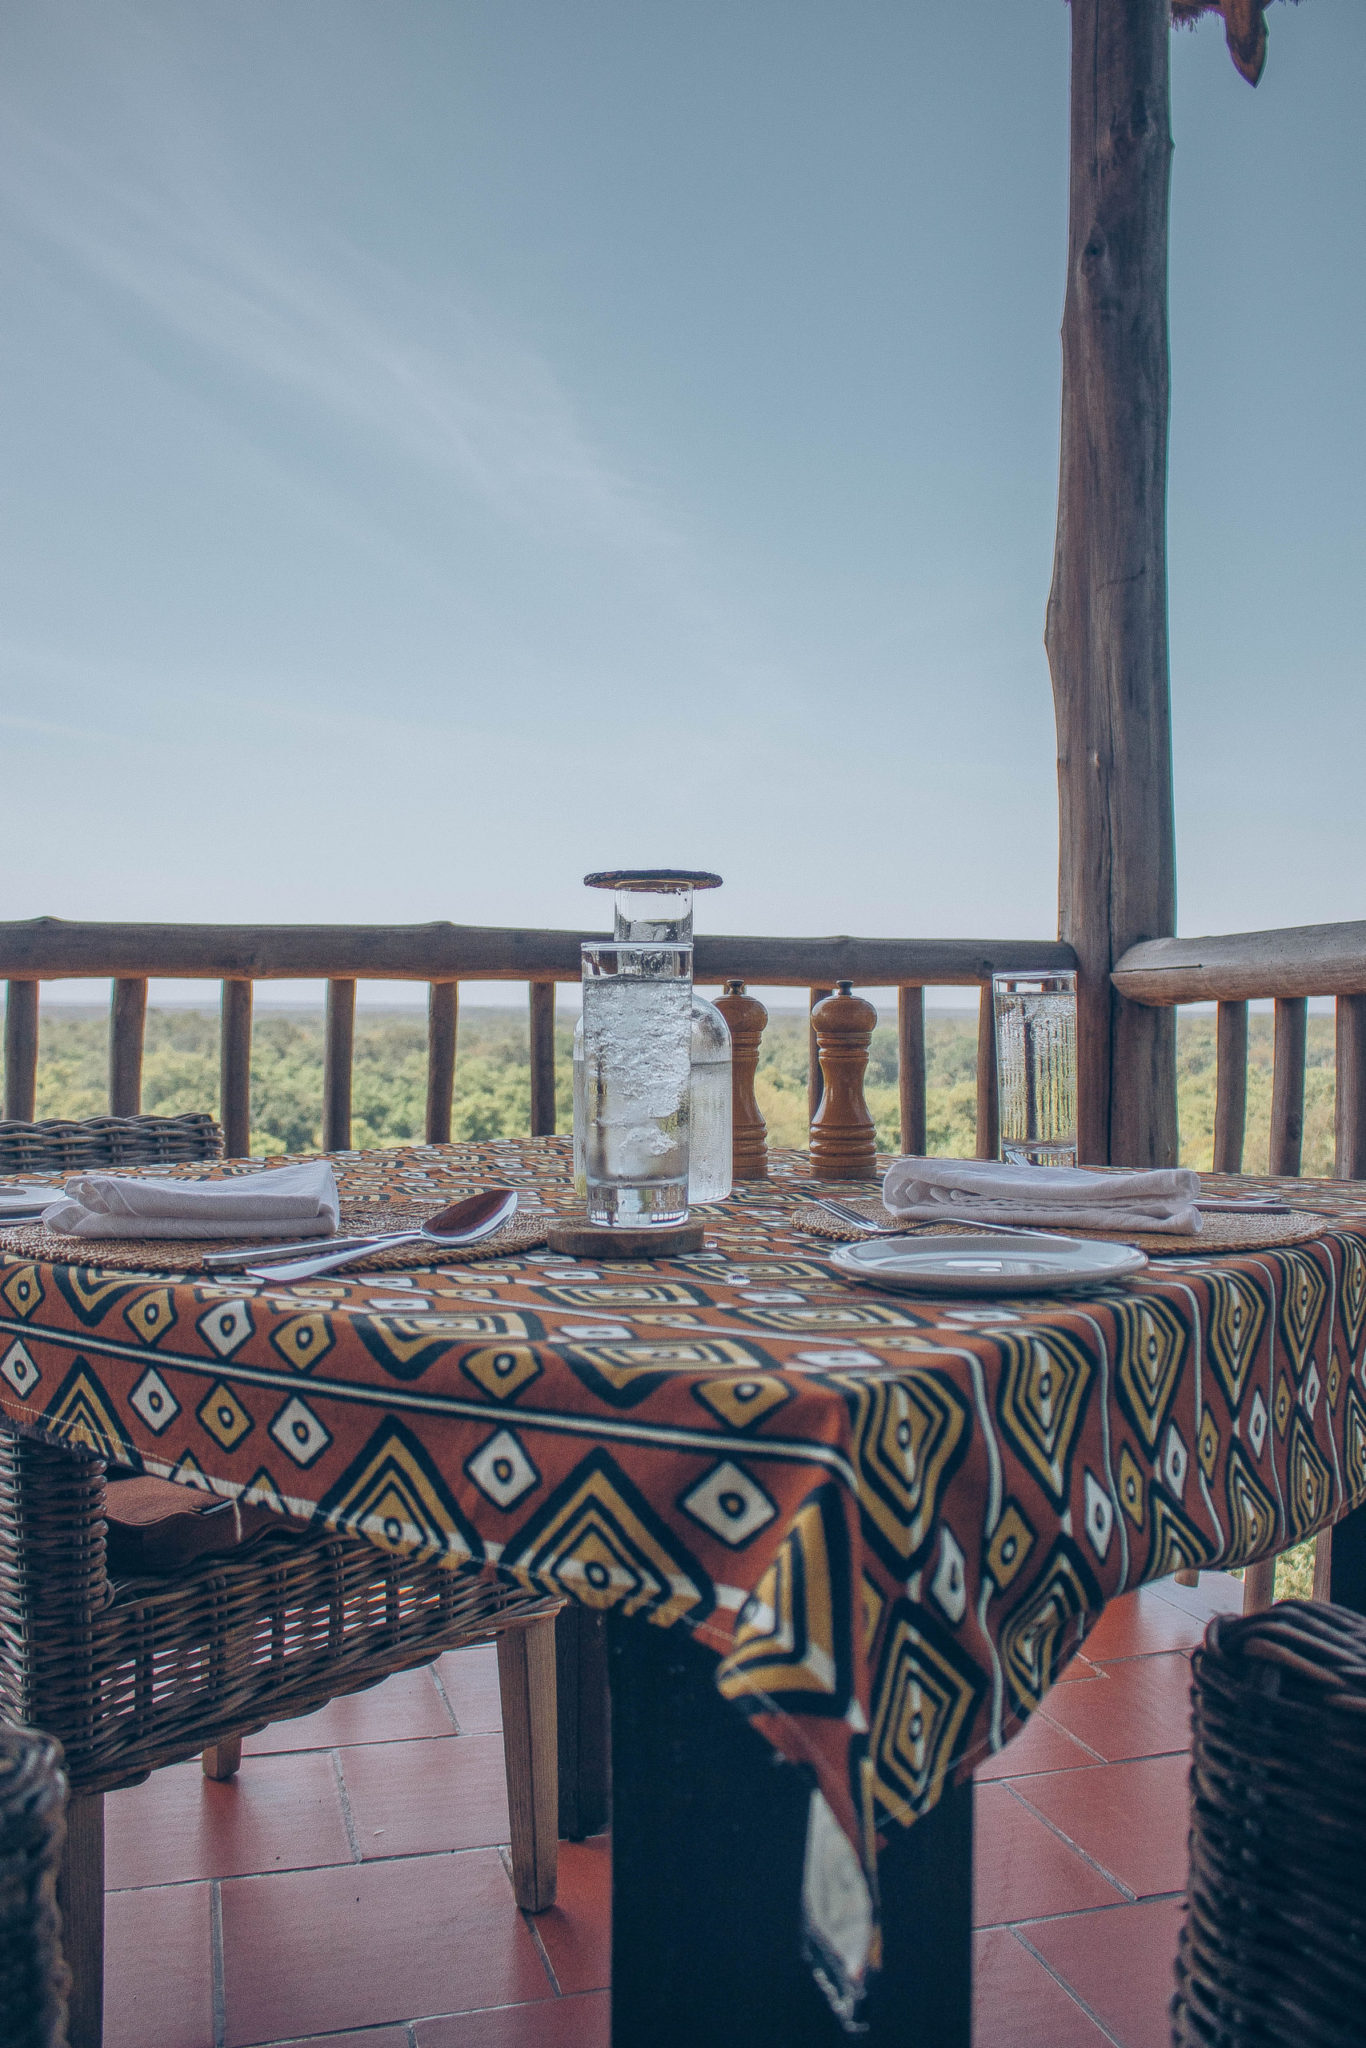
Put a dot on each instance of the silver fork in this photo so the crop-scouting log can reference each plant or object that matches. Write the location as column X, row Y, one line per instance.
column 847, row 1214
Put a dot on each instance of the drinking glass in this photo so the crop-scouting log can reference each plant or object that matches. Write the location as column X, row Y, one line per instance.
column 637, row 1031
column 1036, row 1067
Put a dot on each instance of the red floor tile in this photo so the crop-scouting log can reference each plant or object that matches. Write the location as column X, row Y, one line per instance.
column 1132, row 1818
column 310, row 1951
column 1119, row 1964
column 158, row 1971
column 577, row 1931
column 471, row 1681
column 415, row 1798
column 1021, row 1869
column 279, row 1813
column 1079, row 1667
column 1040, row 1746
column 583, row 2022
column 1016, row 2004
column 1141, row 1623
column 1141, row 1707
column 405, row 1708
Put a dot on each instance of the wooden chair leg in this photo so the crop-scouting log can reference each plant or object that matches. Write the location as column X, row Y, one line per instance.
column 223, row 1759
column 80, row 1897
column 526, row 1681
column 1259, row 1585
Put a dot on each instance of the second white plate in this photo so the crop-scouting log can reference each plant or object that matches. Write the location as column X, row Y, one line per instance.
column 985, row 1264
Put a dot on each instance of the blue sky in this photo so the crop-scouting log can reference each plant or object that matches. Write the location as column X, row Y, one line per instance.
column 447, row 447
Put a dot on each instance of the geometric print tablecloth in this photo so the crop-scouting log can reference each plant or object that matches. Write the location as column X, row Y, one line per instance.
column 893, row 1519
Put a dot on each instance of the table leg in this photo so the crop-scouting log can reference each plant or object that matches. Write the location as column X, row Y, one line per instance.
column 1347, row 1573
column 709, row 1829
column 584, row 1712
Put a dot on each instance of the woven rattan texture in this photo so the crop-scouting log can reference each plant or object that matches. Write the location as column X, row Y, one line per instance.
column 1274, row 1945
column 186, row 1255
column 1222, row 1232
column 64, row 1147
column 33, row 1977
column 148, row 1671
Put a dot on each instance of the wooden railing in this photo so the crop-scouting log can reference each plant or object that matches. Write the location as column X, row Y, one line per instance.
column 444, row 955
column 1289, row 967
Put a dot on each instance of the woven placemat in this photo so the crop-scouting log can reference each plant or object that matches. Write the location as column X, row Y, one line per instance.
column 1222, row 1231
column 522, row 1233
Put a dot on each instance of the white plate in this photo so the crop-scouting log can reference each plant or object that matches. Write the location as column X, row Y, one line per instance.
column 19, row 1204
column 983, row 1264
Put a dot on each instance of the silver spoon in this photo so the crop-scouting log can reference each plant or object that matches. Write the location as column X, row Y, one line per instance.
column 464, row 1222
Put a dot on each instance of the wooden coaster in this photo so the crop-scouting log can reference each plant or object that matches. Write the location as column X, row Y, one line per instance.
column 579, row 1239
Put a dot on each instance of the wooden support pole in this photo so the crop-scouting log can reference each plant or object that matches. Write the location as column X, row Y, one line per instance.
column 443, row 1012
column 1230, row 1087
column 339, row 1042
column 234, row 1069
column 127, row 1025
column 1107, row 612
column 815, row 1084
column 1349, row 1109
column 988, row 1095
column 21, row 1050
column 542, row 996
column 1287, row 1084
column 526, row 1685
column 911, row 1069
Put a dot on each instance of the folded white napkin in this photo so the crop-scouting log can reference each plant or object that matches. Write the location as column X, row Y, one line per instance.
column 956, row 1190
column 280, row 1202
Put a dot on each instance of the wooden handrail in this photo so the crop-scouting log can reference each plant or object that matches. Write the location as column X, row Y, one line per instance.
column 1300, row 960
column 54, row 949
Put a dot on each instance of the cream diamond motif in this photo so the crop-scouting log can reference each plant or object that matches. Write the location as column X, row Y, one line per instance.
column 226, row 1327
column 154, row 1401
column 298, row 1432
column 19, row 1369
column 502, row 1470
column 729, row 1503
column 1100, row 1516
column 1256, row 1425
column 950, row 1582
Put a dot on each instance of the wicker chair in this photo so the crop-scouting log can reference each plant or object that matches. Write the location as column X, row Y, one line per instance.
column 33, row 1977
column 131, row 1674
column 59, row 1146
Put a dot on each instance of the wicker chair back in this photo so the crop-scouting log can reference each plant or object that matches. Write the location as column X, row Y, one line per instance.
column 61, row 1146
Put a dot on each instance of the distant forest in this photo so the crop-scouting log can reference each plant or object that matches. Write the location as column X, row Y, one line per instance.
column 493, row 1087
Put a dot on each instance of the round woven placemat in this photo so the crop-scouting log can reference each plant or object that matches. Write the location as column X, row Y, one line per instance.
column 1222, row 1232
column 186, row 1255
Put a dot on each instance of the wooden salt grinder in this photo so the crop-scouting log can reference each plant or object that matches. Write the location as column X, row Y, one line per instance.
column 746, row 1017
column 843, row 1146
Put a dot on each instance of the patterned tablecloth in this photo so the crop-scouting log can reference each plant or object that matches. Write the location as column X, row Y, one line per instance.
column 892, row 1518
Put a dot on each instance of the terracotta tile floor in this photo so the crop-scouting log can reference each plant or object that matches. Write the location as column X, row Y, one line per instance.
column 350, row 1887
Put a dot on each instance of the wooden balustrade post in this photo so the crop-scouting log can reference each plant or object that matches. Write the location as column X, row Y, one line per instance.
column 443, row 1012
column 988, row 1094
column 542, row 999
column 911, row 1068
column 234, row 1069
column 339, row 1044
column 1287, row 1085
column 127, row 1025
column 1230, row 1087
column 814, row 1083
column 745, row 1017
column 21, row 1050
column 1349, row 1105
column 843, row 1143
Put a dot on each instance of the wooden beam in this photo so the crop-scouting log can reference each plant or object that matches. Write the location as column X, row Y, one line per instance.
column 542, row 998
column 127, row 1026
column 21, row 1050
column 339, row 1044
column 51, row 948
column 443, row 1013
column 1230, row 1087
column 1303, row 960
column 1107, row 612
column 234, row 1064
column 911, row 1068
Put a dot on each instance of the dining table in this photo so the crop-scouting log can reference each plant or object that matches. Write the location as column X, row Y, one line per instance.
column 844, row 1539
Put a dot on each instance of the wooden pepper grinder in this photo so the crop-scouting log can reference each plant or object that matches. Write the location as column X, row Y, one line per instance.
column 746, row 1017
column 843, row 1146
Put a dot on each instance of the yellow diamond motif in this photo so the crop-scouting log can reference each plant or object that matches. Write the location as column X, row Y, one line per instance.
column 150, row 1314
column 224, row 1417
column 23, row 1290
column 1131, row 1487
